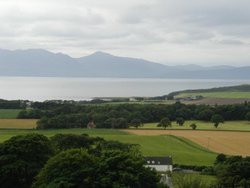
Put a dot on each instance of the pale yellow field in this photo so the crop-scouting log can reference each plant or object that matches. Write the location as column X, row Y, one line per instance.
column 18, row 123
column 227, row 142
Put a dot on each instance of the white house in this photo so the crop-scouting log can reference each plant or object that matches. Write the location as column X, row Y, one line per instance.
column 160, row 164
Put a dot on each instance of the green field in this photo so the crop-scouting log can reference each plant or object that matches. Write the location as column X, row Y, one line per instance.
column 203, row 125
column 183, row 151
column 216, row 94
column 9, row 113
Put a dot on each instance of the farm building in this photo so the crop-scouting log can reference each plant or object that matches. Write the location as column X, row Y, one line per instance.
column 160, row 164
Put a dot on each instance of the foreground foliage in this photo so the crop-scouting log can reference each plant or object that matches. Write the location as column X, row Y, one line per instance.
column 233, row 171
column 183, row 180
column 21, row 158
column 72, row 161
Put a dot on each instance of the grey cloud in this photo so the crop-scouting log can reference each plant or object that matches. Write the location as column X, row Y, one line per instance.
column 231, row 42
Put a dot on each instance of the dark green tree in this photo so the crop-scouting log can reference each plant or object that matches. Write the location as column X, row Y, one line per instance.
column 136, row 123
column 165, row 122
column 205, row 114
column 247, row 116
column 217, row 119
column 70, row 168
column 21, row 158
column 193, row 126
column 220, row 158
column 112, row 168
column 180, row 121
column 69, row 141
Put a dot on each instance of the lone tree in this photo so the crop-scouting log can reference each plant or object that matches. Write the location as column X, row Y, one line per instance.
column 217, row 119
column 180, row 121
column 193, row 126
column 136, row 123
column 165, row 122
column 247, row 116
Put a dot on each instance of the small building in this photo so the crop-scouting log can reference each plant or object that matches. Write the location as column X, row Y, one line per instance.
column 160, row 164
column 91, row 125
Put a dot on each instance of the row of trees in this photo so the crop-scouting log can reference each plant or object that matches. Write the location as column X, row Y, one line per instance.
column 166, row 122
column 72, row 161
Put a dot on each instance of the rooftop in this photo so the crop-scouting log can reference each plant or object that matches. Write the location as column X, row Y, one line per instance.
column 159, row 160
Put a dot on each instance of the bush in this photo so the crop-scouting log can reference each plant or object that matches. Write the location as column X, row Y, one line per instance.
column 193, row 126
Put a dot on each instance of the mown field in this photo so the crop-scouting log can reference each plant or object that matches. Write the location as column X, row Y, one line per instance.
column 18, row 123
column 204, row 125
column 183, row 151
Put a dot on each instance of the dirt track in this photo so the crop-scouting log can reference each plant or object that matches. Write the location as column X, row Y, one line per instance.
column 232, row 143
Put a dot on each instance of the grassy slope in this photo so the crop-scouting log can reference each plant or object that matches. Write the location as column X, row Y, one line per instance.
column 240, row 91
column 9, row 113
column 216, row 94
column 182, row 150
column 202, row 125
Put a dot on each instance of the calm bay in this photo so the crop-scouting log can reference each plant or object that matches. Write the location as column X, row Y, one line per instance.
column 50, row 88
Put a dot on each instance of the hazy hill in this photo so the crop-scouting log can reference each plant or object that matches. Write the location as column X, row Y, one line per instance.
column 103, row 64
column 38, row 62
column 35, row 62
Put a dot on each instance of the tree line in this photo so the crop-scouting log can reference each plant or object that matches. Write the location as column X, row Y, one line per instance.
column 12, row 104
column 124, row 115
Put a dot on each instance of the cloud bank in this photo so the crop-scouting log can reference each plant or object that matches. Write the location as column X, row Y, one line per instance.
column 167, row 31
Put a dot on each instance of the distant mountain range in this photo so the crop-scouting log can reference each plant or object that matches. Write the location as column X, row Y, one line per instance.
column 37, row 62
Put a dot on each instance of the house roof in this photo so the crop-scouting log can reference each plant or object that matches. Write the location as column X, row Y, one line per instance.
column 159, row 160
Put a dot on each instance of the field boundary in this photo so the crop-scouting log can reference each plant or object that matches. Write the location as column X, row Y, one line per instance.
column 192, row 144
column 220, row 130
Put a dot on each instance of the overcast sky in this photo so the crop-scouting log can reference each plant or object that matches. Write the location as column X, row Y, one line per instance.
column 210, row 32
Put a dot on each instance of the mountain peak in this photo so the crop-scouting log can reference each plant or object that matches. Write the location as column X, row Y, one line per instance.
column 100, row 53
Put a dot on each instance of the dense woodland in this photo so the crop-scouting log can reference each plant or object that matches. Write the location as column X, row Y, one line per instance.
column 67, row 115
